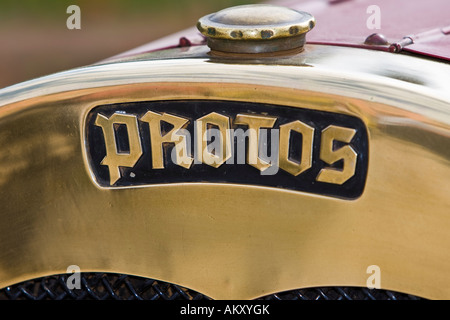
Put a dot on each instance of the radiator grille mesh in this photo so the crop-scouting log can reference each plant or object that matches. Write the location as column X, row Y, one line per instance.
column 107, row 286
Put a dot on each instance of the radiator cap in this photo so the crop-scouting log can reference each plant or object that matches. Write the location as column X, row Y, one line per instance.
column 258, row 28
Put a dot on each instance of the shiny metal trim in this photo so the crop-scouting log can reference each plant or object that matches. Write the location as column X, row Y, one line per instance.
column 232, row 241
column 256, row 28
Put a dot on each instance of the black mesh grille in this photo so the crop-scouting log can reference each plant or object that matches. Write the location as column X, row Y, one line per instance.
column 98, row 286
column 340, row 293
column 107, row 286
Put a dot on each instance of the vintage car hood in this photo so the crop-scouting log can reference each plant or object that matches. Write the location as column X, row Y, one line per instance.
column 219, row 232
column 421, row 27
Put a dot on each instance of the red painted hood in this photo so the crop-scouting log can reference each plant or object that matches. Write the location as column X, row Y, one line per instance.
column 419, row 26
column 425, row 22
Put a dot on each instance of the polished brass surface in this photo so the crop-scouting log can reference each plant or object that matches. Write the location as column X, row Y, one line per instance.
column 229, row 240
column 256, row 28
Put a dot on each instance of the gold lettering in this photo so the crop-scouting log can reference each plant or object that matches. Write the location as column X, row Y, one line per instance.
column 307, row 133
column 113, row 158
column 255, row 123
column 223, row 151
column 330, row 156
column 158, row 140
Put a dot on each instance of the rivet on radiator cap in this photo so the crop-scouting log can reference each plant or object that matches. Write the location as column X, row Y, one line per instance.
column 258, row 28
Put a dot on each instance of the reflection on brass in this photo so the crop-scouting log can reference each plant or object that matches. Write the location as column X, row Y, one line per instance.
column 113, row 158
column 254, row 124
column 330, row 156
column 157, row 139
column 232, row 241
column 307, row 132
column 223, row 152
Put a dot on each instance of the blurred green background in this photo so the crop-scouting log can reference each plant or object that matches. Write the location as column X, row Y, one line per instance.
column 35, row 41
